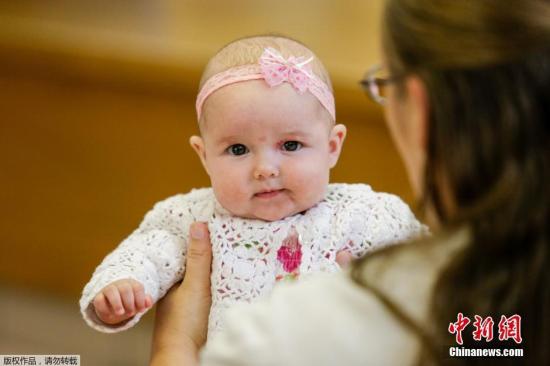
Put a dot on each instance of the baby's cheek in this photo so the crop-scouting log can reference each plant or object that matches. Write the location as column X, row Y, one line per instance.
column 310, row 181
column 229, row 191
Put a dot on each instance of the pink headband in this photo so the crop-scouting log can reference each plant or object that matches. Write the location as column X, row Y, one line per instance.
column 274, row 69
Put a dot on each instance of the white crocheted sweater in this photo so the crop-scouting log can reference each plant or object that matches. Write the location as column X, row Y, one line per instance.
column 249, row 256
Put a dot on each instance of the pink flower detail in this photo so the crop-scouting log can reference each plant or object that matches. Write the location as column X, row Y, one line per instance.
column 295, row 70
column 290, row 252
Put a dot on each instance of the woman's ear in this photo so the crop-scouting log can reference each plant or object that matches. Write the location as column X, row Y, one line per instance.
column 415, row 130
column 418, row 112
column 336, row 140
column 197, row 143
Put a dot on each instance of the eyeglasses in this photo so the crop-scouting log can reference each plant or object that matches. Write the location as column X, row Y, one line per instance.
column 375, row 83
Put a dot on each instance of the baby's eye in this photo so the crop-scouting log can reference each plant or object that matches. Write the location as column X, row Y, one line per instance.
column 237, row 149
column 292, row 145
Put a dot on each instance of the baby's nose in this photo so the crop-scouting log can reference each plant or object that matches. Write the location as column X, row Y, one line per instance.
column 265, row 169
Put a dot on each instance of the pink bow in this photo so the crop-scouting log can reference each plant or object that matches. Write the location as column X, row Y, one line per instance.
column 294, row 70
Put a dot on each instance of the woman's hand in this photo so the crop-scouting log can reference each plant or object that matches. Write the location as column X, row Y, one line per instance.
column 181, row 320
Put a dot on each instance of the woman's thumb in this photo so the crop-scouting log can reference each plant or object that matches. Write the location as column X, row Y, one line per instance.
column 199, row 255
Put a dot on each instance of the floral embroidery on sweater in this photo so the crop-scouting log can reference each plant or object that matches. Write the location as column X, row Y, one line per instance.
column 290, row 255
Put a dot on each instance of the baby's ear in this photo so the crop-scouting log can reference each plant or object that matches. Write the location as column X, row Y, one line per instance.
column 336, row 140
column 197, row 143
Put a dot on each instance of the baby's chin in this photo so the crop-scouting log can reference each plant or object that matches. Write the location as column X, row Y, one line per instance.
column 268, row 215
column 271, row 211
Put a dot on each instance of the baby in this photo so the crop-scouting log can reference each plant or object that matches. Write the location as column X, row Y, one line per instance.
column 268, row 140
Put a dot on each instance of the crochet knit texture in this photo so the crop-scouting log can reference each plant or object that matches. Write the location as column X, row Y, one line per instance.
column 247, row 253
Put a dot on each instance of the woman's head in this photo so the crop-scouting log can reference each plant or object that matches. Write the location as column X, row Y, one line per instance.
column 472, row 108
column 268, row 148
column 469, row 106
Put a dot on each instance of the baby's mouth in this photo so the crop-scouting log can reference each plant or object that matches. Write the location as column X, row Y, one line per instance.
column 270, row 193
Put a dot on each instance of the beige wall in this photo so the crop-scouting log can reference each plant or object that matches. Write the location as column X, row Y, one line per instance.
column 97, row 106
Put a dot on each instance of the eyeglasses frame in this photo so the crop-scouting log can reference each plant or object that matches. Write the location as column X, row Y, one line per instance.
column 371, row 84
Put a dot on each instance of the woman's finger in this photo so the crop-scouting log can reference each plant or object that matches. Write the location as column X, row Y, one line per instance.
column 344, row 258
column 199, row 258
column 182, row 314
column 196, row 283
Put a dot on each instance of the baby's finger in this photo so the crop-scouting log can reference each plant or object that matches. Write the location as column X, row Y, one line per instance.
column 101, row 306
column 127, row 296
column 148, row 301
column 113, row 298
column 139, row 296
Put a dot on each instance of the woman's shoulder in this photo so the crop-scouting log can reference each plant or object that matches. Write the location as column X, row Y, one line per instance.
column 326, row 320
column 331, row 319
column 406, row 274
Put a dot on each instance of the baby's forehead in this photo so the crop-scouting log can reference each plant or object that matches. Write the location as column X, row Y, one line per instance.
column 232, row 130
column 253, row 104
column 238, row 117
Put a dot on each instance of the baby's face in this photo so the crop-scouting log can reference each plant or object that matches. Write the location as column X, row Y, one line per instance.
column 268, row 151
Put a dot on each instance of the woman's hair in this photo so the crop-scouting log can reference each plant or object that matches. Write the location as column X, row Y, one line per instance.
column 486, row 67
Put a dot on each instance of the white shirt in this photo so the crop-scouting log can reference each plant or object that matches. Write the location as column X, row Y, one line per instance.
column 331, row 320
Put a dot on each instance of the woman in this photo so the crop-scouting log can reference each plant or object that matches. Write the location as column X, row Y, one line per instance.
column 467, row 99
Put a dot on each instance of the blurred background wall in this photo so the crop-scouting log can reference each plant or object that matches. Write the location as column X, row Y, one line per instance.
column 97, row 104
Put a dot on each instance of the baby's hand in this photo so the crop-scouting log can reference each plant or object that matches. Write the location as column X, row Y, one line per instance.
column 120, row 301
